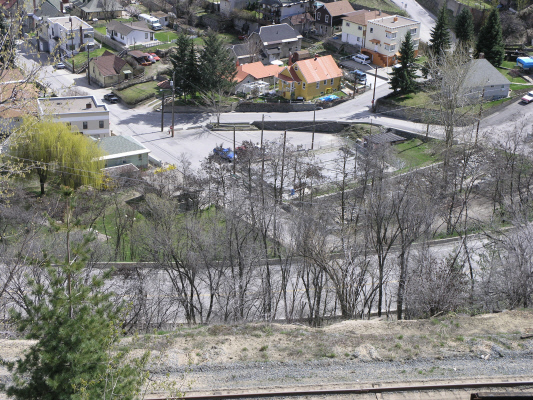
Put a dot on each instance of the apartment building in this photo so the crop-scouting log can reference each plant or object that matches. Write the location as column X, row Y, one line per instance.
column 68, row 35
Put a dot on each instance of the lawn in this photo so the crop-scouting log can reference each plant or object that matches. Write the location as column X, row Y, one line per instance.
column 100, row 29
column 132, row 94
column 509, row 75
column 477, row 4
column 415, row 153
column 521, row 87
column 491, row 104
column 166, row 36
column 82, row 57
column 421, row 59
column 414, row 100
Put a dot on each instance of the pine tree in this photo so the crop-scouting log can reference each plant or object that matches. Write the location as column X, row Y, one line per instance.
column 490, row 40
column 74, row 320
column 217, row 66
column 403, row 76
column 440, row 35
column 184, row 66
column 464, row 27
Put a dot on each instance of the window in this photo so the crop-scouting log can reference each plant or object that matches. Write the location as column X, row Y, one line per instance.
column 303, row 85
column 415, row 43
column 360, row 27
column 371, row 30
column 101, row 124
column 317, row 16
column 390, row 35
column 325, row 81
column 318, row 85
column 393, row 47
column 140, row 157
column 85, row 125
column 296, row 68
column 387, row 47
column 331, row 81
column 503, row 86
column 146, row 35
column 413, row 31
column 292, row 85
column 327, row 18
column 347, row 24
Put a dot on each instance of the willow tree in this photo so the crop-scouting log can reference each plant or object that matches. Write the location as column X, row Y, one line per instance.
column 52, row 149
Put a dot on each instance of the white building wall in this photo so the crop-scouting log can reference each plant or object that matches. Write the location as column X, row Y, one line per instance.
column 390, row 37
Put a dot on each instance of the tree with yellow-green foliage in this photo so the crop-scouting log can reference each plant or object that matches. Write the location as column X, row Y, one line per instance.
column 52, row 149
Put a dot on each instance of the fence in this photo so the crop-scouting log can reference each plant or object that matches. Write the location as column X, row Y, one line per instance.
column 138, row 79
column 108, row 41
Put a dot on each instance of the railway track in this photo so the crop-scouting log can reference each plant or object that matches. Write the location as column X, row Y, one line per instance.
column 423, row 391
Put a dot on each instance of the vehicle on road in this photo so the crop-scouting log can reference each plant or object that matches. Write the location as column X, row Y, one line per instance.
column 225, row 153
column 361, row 58
column 59, row 65
column 528, row 98
column 112, row 98
column 359, row 75
column 155, row 57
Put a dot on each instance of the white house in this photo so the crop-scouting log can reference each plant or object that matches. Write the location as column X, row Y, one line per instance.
column 162, row 17
column 354, row 26
column 384, row 36
column 482, row 79
column 82, row 113
column 131, row 33
column 69, row 35
column 121, row 150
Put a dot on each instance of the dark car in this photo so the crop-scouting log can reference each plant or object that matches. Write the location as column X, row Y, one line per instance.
column 112, row 98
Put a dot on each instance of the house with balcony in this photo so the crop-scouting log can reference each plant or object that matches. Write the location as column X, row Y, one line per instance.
column 354, row 26
column 66, row 35
column 82, row 113
column 328, row 17
column 276, row 41
column 384, row 36
column 131, row 33
column 274, row 11
column 310, row 78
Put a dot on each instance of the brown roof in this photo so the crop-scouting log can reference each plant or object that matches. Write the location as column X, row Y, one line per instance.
column 361, row 17
column 300, row 18
column 137, row 53
column 338, row 8
column 109, row 64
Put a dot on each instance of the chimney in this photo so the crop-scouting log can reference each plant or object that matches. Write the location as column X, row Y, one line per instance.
column 395, row 19
column 88, row 105
column 481, row 55
column 60, row 5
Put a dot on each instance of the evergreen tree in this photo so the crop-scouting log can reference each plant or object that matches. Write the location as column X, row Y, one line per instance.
column 184, row 66
column 403, row 76
column 74, row 321
column 217, row 66
column 490, row 40
column 440, row 35
column 7, row 48
column 464, row 27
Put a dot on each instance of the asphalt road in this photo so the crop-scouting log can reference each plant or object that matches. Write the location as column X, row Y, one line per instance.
column 427, row 20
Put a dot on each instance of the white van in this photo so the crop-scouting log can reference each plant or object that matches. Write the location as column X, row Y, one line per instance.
column 361, row 58
column 153, row 22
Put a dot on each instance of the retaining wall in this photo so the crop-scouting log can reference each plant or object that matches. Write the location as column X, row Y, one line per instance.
column 303, row 126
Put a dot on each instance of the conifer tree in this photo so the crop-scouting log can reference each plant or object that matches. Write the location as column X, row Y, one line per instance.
column 490, row 39
column 74, row 321
column 464, row 27
column 403, row 76
column 217, row 66
column 184, row 67
column 440, row 35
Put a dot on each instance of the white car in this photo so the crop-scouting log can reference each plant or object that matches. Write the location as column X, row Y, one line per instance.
column 528, row 98
column 361, row 58
column 59, row 65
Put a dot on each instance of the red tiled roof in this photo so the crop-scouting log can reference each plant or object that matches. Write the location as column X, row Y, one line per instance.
column 318, row 69
column 257, row 70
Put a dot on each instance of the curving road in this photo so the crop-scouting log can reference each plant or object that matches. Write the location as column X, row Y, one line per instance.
column 419, row 13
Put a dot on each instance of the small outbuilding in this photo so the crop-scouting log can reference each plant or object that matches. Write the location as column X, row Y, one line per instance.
column 122, row 150
column 379, row 139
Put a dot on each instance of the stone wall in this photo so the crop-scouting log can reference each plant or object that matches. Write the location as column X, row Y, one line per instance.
column 303, row 126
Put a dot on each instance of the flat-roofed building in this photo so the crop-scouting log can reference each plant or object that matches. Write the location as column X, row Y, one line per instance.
column 82, row 113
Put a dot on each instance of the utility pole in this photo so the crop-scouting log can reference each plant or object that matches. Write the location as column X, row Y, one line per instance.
column 262, row 152
column 234, row 151
column 480, row 111
column 173, row 96
column 162, row 108
column 88, row 69
column 282, row 167
column 313, row 137
column 72, row 45
column 374, row 96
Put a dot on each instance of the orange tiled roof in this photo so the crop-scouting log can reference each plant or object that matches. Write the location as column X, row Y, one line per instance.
column 257, row 70
column 361, row 17
column 338, row 7
column 318, row 69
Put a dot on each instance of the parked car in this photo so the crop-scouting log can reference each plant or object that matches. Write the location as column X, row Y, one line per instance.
column 155, row 57
column 146, row 63
column 59, row 65
column 528, row 98
column 359, row 75
column 224, row 153
column 151, row 58
column 111, row 97
column 361, row 58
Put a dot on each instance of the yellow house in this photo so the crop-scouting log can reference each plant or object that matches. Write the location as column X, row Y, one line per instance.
column 310, row 78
